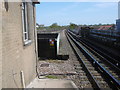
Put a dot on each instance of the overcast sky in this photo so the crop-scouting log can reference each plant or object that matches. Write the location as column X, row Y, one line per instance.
column 64, row 13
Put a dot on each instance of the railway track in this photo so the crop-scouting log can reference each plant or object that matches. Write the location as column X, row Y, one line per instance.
column 113, row 69
column 81, row 80
column 113, row 58
column 100, row 75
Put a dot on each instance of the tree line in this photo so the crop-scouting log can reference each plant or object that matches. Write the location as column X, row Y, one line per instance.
column 55, row 26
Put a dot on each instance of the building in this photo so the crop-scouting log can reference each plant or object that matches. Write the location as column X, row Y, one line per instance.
column 19, row 48
column 118, row 20
column 106, row 27
column 119, row 10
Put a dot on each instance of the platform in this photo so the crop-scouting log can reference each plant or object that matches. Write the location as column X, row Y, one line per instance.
column 64, row 48
column 52, row 83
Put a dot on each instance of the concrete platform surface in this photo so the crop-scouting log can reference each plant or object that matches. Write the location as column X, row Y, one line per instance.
column 52, row 83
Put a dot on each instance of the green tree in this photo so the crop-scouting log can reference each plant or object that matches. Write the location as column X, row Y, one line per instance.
column 73, row 26
column 54, row 25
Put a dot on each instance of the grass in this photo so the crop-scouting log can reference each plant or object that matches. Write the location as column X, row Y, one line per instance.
column 51, row 77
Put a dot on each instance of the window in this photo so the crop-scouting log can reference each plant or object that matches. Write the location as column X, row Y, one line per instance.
column 6, row 5
column 25, row 23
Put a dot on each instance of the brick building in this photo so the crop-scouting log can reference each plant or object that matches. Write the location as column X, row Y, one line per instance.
column 18, row 43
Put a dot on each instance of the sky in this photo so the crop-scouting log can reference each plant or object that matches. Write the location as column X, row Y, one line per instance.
column 64, row 13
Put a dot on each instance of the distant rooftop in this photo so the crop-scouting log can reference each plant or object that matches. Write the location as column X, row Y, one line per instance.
column 106, row 27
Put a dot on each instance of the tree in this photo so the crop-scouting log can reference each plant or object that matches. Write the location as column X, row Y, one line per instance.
column 54, row 25
column 73, row 26
column 41, row 25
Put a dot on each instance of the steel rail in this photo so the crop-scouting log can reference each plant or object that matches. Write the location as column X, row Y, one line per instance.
column 111, row 59
column 90, row 76
column 98, row 66
column 99, row 54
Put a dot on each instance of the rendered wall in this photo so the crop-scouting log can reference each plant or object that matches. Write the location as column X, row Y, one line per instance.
column 17, row 57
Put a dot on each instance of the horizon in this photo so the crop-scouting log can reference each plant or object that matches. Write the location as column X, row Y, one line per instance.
column 89, row 13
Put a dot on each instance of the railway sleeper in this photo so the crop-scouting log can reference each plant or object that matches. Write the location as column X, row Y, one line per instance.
column 86, row 61
column 96, row 74
column 91, row 68
column 89, row 64
column 98, row 78
column 86, row 86
column 103, row 84
column 84, row 79
column 80, row 71
column 114, row 74
column 109, row 70
column 75, row 62
column 82, row 74
column 78, row 68
column 77, row 65
column 85, row 82
column 102, row 64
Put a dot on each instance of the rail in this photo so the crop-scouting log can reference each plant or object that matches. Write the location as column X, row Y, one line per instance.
column 112, row 80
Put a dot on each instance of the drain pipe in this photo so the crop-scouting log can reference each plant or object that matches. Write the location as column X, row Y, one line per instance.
column 35, row 40
column 22, row 79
